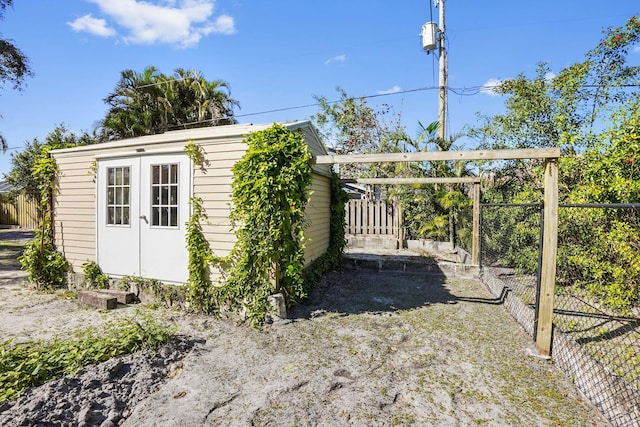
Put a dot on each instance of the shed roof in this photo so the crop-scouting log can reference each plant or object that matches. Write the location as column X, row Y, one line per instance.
column 5, row 187
column 199, row 134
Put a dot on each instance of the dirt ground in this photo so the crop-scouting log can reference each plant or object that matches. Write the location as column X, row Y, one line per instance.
column 368, row 349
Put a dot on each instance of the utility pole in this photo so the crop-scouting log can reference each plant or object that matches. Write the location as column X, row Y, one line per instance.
column 442, row 99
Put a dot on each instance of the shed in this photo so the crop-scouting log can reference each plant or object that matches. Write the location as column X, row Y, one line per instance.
column 124, row 204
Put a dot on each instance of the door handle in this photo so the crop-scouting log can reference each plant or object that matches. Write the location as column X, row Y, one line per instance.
column 145, row 218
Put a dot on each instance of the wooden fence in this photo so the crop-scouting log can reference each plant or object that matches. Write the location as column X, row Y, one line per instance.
column 367, row 217
column 18, row 212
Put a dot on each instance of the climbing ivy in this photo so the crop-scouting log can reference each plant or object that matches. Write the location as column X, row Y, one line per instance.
column 46, row 267
column 270, row 191
column 196, row 153
column 201, row 294
column 35, row 171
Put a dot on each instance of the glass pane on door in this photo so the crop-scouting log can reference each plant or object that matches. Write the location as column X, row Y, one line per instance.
column 118, row 201
column 164, row 195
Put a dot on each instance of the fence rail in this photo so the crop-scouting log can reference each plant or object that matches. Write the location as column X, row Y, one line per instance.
column 19, row 212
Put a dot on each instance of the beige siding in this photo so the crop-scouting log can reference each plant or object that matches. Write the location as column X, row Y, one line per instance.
column 75, row 202
column 318, row 217
column 75, row 209
column 214, row 187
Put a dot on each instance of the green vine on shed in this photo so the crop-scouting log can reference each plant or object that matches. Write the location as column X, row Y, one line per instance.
column 201, row 293
column 46, row 267
column 270, row 191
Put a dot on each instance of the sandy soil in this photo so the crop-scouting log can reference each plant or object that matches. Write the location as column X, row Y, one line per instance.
column 368, row 349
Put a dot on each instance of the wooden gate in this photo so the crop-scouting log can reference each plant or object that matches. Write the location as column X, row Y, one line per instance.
column 366, row 217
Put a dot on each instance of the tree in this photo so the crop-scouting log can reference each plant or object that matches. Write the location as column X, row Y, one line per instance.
column 196, row 100
column 21, row 176
column 566, row 110
column 14, row 65
column 351, row 126
column 150, row 102
column 446, row 200
column 591, row 110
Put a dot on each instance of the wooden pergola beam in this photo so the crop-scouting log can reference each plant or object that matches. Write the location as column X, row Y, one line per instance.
column 528, row 153
column 544, row 315
column 409, row 181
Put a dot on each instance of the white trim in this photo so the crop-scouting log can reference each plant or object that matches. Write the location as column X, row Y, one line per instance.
column 142, row 153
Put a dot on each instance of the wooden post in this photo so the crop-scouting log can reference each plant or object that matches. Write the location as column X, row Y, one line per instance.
column 399, row 224
column 475, row 244
column 544, row 332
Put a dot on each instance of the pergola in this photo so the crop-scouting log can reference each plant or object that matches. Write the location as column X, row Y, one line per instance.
column 550, row 212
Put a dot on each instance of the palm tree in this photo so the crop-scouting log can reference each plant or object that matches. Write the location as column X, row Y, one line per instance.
column 150, row 102
column 136, row 105
column 449, row 197
column 199, row 102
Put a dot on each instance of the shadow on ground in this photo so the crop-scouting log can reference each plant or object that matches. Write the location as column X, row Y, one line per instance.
column 398, row 286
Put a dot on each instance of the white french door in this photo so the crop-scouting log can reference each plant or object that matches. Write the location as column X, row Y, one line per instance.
column 143, row 205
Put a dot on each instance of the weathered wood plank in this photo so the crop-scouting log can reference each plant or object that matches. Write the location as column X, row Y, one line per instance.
column 475, row 244
column 544, row 333
column 532, row 153
column 409, row 181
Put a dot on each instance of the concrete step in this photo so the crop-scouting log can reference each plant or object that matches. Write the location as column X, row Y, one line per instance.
column 407, row 263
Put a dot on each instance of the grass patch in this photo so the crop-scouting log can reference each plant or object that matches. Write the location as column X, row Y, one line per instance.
column 31, row 364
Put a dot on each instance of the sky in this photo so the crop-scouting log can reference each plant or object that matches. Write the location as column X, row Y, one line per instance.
column 277, row 55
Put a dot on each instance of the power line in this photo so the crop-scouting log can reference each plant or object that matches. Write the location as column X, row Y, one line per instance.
column 464, row 91
column 299, row 107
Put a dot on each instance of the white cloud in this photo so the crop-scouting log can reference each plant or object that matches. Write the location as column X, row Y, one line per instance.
column 489, row 86
column 180, row 22
column 394, row 89
column 339, row 58
column 92, row 25
column 549, row 75
column 636, row 49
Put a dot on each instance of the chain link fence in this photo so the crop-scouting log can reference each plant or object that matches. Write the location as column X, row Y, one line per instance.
column 597, row 303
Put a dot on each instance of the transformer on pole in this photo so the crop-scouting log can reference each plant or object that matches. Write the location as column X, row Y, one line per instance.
column 433, row 35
